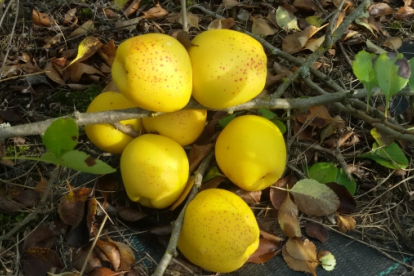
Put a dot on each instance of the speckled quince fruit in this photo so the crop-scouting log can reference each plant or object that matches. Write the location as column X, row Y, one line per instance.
column 154, row 170
column 105, row 136
column 229, row 68
column 154, row 72
column 219, row 231
column 251, row 152
column 183, row 126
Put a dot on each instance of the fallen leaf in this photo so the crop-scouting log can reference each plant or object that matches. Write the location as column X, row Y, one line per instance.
column 327, row 260
column 40, row 237
column 133, row 7
column 228, row 4
column 363, row 21
column 70, row 16
column 155, row 12
column 108, row 52
column 266, row 250
column 303, row 250
column 306, row 5
column 40, row 19
column 90, row 216
column 127, row 255
column 250, row 198
column 87, row 47
column 336, row 124
column 286, row 20
column 78, row 69
column 86, row 27
column 374, row 48
column 71, row 206
column 197, row 154
column 294, row 43
column 111, row 252
column 404, row 13
column 314, row 198
column 53, row 74
column 110, row 14
column 393, row 43
column 103, row 271
column 53, row 40
column 317, row 116
column 277, row 197
column 345, row 223
column 9, row 206
column 192, row 20
column 184, row 39
column 130, row 214
column 299, row 265
column 184, row 194
column 288, row 218
column 313, row 44
column 38, row 261
column 347, row 203
column 79, row 257
column 380, row 9
column 215, row 24
column 261, row 27
column 316, row 230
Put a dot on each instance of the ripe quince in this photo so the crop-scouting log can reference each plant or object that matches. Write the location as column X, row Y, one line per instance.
column 251, row 152
column 154, row 72
column 154, row 170
column 219, row 231
column 183, row 126
column 229, row 68
column 105, row 136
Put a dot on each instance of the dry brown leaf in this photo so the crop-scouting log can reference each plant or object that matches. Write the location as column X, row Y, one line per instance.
column 306, row 5
column 407, row 3
column 78, row 69
column 130, row 214
column 304, row 133
column 108, row 52
column 72, row 206
column 40, row 260
column 345, row 223
column 53, row 74
column 109, row 13
column 155, row 12
column 127, row 255
column 347, row 203
column 53, row 40
column 133, row 7
column 317, row 116
column 332, row 127
column 267, row 249
column 313, row 44
column 111, row 251
column 262, row 27
column 228, row 23
column 215, row 24
column 303, row 250
column 404, row 13
column 213, row 183
column 192, row 20
column 185, row 40
column 317, row 231
column 70, row 16
column 40, row 19
column 278, row 196
column 294, row 43
column 86, row 27
column 299, row 265
column 103, row 271
column 184, row 194
column 228, row 4
column 288, row 218
column 197, row 154
column 380, row 9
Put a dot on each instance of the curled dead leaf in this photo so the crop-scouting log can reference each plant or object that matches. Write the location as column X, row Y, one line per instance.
column 299, row 265
column 288, row 218
column 346, row 223
column 267, row 249
column 86, row 27
column 40, row 19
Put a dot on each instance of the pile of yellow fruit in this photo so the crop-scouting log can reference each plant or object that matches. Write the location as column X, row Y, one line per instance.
column 224, row 69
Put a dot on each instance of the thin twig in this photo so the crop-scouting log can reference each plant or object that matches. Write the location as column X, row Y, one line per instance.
column 172, row 245
column 11, row 35
column 184, row 14
column 32, row 215
column 85, row 263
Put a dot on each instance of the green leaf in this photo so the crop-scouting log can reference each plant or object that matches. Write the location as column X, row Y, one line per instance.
column 392, row 72
column 389, row 156
column 382, row 140
column 280, row 125
column 50, row 157
column 314, row 198
column 364, row 71
column 213, row 172
column 223, row 122
column 325, row 172
column 61, row 136
column 411, row 81
column 266, row 113
column 314, row 20
column 83, row 162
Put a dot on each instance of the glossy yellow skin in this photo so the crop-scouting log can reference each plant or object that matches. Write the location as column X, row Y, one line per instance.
column 251, row 152
column 154, row 170
column 229, row 68
column 154, row 72
column 183, row 126
column 219, row 231
column 105, row 136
